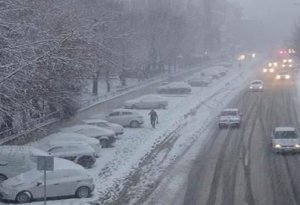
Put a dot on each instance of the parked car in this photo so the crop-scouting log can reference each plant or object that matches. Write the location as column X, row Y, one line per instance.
column 256, row 85
column 67, row 179
column 147, row 102
column 175, row 88
column 230, row 118
column 79, row 152
column 124, row 117
column 199, row 81
column 285, row 139
column 118, row 129
column 106, row 137
column 15, row 160
column 72, row 137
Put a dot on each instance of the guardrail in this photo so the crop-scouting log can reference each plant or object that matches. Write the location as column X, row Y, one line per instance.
column 19, row 130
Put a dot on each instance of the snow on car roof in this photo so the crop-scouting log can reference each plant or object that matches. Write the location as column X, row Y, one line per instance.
column 231, row 109
column 81, row 127
column 177, row 85
column 65, row 135
column 125, row 110
column 65, row 164
column 284, row 129
column 88, row 130
column 256, row 81
column 22, row 149
column 94, row 121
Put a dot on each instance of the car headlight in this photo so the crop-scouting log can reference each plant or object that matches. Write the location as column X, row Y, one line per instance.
column 250, row 87
column 283, row 66
column 287, row 77
column 265, row 70
column 271, row 70
column 278, row 77
column 285, row 60
column 290, row 65
column 297, row 145
column 290, row 60
column 277, row 146
column 260, row 87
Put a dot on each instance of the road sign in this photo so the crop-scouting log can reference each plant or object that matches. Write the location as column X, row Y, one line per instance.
column 45, row 163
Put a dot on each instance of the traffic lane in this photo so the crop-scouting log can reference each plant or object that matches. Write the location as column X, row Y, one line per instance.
column 210, row 176
column 238, row 167
column 283, row 169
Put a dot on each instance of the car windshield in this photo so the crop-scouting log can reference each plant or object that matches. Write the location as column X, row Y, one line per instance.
column 285, row 135
column 229, row 113
column 256, row 82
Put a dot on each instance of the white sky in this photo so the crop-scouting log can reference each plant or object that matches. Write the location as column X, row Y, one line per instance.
column 278, row 15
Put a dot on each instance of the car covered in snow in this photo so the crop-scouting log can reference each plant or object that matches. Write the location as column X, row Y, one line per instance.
column 199, row 81
column 125, row 117
column 175, row 88
column 67, row 179
column 71, row 137
column 118, row 129
column 147, row 102
column 256, row 85
column 15, row 160
column 79, row 152
column 106, row 137
column 285, row 139
column 230, row 117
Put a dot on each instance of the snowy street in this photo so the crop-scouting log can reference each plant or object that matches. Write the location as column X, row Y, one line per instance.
column 141, row 157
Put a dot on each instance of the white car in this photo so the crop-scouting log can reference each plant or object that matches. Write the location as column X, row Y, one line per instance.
column 256, row 85
column 67, row 179
column 199, row 81
column 283, row 75
column 175, row 88
column 230, row 117
column 285, row 139
column 15, row 160
column 118, row 129
column 79, row 152
column 124, row 117
column 72, row 137
column 147, row 102
column 106, row 137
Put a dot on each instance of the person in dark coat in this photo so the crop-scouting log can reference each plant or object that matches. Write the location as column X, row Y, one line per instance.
column 153, row 118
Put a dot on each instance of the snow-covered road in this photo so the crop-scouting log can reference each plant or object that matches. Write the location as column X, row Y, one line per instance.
column 136, row 166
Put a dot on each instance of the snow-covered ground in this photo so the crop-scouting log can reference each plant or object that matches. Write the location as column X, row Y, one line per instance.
column 131, row 170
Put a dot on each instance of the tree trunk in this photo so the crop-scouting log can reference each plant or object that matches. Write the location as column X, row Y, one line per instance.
column 95, row 82
column 107, row 80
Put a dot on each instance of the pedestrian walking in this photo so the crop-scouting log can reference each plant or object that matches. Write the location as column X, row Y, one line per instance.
column 153, row 118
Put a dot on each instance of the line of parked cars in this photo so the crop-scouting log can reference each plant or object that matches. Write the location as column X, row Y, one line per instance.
column 74, row 149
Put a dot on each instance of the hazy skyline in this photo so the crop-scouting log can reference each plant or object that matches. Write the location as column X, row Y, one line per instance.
column 277, row 15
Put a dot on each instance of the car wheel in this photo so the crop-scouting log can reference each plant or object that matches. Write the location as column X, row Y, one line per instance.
column 134, row 124
column 221, row 126
column 104, row 143
column 2, row 178
column 83, row 192
column 134, row 107
column 86, row 161
column 23, row 197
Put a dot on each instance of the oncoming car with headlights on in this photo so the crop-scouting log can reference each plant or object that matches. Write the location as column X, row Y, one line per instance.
column 283, row 75
column 285, row 139
column 256, row 85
